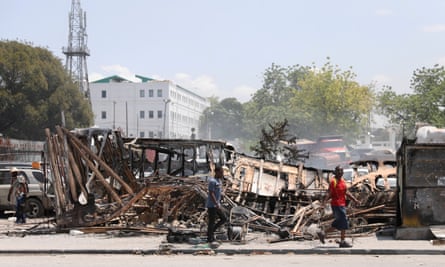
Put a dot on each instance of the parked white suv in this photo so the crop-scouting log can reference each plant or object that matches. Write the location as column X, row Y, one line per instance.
column 37, row 202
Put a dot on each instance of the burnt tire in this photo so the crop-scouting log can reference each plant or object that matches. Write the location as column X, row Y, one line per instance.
column 34, row 208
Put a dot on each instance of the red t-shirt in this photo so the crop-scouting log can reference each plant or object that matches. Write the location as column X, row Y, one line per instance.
column 337, row 189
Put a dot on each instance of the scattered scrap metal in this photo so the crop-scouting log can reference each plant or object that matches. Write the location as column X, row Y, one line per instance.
column 103, row 181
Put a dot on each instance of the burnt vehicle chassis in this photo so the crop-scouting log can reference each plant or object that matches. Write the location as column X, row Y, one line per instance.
column 102, row 179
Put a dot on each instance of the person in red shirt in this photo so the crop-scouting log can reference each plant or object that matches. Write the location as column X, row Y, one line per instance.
column 338, row 192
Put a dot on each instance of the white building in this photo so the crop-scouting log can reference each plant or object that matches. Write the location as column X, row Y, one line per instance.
column 138, row 108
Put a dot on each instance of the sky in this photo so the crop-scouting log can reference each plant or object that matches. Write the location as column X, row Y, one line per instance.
column 223, row 48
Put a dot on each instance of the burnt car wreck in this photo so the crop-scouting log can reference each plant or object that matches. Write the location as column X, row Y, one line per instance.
column 103, row 180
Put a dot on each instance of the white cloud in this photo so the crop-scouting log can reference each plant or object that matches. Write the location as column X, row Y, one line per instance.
column 383, row 12
column 206, row 86
column 114, row 70
column 95, row 76
column 243, row 93
column 202, row 85
column 398, row 84
column 434, row 28
column 156, row 77
column 381, row 79
column 441, row 61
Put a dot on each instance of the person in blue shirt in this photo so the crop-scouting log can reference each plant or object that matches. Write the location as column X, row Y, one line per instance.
column 213, row 204
column 18, row 189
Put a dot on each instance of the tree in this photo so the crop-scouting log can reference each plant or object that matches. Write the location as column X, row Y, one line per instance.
column 270, row 104
column 425, row 106
column 429, row 102
column 34, row 90
column 398, row 109
column 331, row 102
column 315, row 101
column 276, row 144
column 222, row 120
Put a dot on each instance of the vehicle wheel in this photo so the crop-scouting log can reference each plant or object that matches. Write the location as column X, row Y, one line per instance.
column 34, row 208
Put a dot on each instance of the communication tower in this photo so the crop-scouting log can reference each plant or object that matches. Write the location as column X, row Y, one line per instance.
column 77, row 51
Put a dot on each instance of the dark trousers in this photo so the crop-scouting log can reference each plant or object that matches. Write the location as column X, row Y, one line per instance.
column 212, row 226
column 20, row 212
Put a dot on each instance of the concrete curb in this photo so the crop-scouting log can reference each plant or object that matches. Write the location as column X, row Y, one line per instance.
column 229, row 251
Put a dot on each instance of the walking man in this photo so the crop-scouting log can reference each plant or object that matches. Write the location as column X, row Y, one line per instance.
column 214, row 204
column 338, row 192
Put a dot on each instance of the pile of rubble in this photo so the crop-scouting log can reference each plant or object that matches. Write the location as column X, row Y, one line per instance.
column 104, row 181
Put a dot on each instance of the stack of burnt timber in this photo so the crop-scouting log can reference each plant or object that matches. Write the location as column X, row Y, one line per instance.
column 101, row 179
column 97, row 177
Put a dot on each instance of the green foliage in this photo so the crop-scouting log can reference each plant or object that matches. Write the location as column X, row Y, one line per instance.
column 429, row 99
column 424, row 106
column 222, row 120
column 271, row 104
column 314, row 101
column 331, row 102
column 398, row 109
column 34, row 90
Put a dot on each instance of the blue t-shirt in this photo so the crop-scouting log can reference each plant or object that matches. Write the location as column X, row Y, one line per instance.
column 214, row 186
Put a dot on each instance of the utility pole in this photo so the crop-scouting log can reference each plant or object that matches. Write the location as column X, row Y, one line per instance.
column 209, row 125
column 77, row 51
column 126, row 119
column 114, row 115
column 166, row 101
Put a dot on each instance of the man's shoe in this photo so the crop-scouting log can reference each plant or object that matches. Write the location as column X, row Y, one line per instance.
column 321, row 236
column 344, row 244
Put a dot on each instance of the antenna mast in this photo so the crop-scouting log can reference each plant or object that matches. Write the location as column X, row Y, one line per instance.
column 77, row 51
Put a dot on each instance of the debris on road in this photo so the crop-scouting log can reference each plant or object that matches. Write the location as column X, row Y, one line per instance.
column 104, row 181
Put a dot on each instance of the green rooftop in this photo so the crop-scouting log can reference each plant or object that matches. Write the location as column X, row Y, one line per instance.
column 114, row 78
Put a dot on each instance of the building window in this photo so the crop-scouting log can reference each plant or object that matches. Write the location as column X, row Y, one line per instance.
column 150, row 93
column 159, row 114
column 142, row 93
column 104, row 93
column 151, row 134
column 159, row 92
column 103, row 115
column 151, row 114
column 141, row 134
column 160, row 134
column 142, row 114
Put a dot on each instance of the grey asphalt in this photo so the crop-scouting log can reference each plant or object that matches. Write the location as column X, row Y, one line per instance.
column 16, row 239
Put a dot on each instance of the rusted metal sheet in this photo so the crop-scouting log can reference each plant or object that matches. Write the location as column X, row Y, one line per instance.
column 269, row 178
column 421, row 171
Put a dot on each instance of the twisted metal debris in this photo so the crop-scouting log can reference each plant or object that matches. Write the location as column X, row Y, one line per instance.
column 103, row 180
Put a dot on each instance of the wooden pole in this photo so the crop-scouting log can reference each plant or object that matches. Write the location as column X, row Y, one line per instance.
column 60, row 196
column 87, row 151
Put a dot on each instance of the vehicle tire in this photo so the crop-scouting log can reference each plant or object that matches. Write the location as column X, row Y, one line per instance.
column 34, row 208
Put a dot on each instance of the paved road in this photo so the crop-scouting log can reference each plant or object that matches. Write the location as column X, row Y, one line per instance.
column 221, row 260
column 15, row 239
